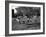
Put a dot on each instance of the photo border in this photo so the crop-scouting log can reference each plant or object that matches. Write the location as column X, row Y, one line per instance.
column 7, row 17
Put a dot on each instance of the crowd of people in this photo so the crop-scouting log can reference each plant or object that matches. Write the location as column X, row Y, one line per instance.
column 26, row 20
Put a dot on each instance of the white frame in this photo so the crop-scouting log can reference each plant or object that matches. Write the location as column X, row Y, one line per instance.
column 24, row 31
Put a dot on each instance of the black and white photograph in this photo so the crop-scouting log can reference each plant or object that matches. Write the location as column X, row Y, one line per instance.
column 25, row 18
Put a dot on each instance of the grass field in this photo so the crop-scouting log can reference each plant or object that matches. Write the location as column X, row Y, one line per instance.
column 17, row 26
